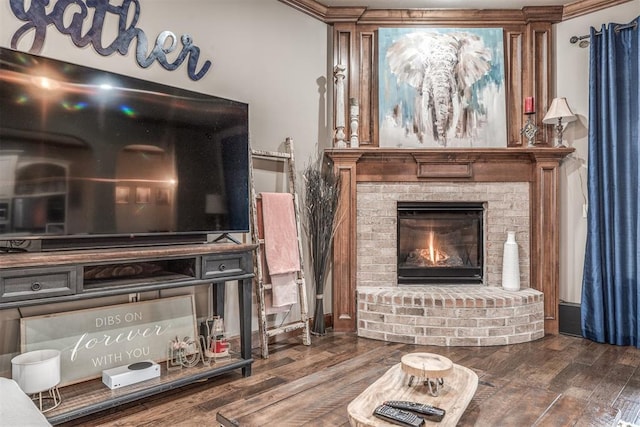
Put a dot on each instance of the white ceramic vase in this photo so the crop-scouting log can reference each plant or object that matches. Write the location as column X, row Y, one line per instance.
column 510, row 263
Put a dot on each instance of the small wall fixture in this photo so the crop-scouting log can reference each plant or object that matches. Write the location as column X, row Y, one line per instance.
column 559, row 111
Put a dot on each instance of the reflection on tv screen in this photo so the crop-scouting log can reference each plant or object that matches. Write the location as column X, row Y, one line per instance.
column 85, row 152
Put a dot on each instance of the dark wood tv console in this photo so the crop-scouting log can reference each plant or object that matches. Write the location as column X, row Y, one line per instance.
column 38, row 278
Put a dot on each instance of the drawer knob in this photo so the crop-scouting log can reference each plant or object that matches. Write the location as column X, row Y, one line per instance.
column 222, row 267
column 36, row 286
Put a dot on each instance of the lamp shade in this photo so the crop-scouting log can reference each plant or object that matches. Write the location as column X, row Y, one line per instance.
column 36, row 371
column 559, row 109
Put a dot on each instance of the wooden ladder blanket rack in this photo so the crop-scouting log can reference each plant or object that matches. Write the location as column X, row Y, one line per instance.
column 260, row 267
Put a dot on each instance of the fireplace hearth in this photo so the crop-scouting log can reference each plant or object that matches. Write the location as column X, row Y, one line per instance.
column 440, row 243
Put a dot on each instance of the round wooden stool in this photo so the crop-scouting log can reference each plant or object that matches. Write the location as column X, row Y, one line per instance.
column 429, row 368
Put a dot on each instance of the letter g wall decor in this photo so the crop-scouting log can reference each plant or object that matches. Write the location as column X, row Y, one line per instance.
column 37, row 20
column 441, row 87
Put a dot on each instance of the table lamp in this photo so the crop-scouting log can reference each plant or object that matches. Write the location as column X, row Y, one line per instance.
column 559, row 111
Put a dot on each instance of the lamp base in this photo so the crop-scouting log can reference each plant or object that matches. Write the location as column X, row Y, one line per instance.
column 48, row 399
column 559, row 130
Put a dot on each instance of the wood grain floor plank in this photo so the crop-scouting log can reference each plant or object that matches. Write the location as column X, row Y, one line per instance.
column 311, row 405
column 542, row 374
column 630, row 357
column 502, row 409
column 631, row 390
column 590, row 353
column 244, row 406
column 598, row 416
column 555, row 381
column 565, row 411
column 566, row 377
column 488, row 385
column 612, row 384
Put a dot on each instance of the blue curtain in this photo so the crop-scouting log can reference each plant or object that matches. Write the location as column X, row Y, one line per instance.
column 610, row 293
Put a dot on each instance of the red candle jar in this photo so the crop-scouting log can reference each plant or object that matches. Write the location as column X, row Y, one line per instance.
column 220, row 346
column 528, row 105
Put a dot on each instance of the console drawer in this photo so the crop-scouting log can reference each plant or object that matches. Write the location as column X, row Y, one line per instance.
column 225, row 265
column 37, row 283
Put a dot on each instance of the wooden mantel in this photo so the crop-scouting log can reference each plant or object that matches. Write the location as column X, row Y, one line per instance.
column 537, row 166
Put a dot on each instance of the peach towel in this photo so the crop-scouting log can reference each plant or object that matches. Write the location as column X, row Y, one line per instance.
column 281, row 246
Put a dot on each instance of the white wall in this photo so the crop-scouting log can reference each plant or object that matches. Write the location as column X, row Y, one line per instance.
column 572, row 81
column 276, row 59
column 264, row 53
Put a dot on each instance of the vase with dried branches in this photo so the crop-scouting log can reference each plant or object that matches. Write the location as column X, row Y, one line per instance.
column 322, row 192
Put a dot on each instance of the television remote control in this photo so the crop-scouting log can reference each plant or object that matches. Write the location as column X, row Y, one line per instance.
column 428, row 412
column 398, row 416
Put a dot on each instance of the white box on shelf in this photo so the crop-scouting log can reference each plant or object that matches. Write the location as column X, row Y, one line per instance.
column 130, row 374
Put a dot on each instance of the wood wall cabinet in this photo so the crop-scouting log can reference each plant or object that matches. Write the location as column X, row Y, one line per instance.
column 40, row 278
column 527, row 44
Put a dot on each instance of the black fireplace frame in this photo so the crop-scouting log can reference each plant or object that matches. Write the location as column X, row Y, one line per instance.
column 450, row 275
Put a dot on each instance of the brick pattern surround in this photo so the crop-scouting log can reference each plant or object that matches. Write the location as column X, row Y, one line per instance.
column 506, row 209
column 450, row 316
column 444, row 315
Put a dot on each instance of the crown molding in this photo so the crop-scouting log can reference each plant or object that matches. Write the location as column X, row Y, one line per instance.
column 461, row 16
column 584, row 7
column 310, row 7
column 551, row 14
column 363, row 15
column 344, row 14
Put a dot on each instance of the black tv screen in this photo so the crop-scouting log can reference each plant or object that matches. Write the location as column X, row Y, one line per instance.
column 91, row 154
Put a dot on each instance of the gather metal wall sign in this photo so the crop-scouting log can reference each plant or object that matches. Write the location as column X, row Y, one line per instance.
column 68, row 17
column 95, row 339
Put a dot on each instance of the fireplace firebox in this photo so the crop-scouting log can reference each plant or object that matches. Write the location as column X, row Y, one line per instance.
column 440, row 242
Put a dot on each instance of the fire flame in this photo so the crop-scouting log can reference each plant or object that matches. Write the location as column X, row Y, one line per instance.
column 435, row 254
column 432, row 249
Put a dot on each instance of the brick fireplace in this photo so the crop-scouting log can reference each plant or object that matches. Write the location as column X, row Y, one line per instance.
column 441, row 313
column 518, row 188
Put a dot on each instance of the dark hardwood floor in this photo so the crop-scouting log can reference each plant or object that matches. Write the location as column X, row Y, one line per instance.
column 556, row 381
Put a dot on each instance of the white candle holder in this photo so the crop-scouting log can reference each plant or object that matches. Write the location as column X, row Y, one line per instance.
column 339, row 75
column 354, row 117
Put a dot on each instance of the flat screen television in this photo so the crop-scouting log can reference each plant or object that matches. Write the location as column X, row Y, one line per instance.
column 90, row 158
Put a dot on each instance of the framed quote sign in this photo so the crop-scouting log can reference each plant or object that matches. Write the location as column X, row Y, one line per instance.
column 96, row 339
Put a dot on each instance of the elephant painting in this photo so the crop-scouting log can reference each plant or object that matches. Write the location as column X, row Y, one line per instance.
column 446, row 84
